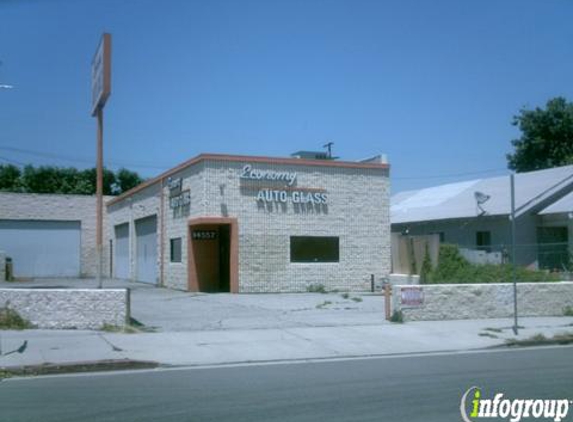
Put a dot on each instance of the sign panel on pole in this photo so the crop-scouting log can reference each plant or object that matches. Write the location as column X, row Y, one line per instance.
column 101, row 73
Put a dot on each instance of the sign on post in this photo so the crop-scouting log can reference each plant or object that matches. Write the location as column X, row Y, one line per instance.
column 412, row 296
column 101, row 73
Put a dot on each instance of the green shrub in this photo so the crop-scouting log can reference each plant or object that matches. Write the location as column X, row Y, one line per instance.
column 412, row 257
column 397, row 316
column 453, row 268
column 10, row 319
column 568, row 311
column 316, row 288
column 426, row 269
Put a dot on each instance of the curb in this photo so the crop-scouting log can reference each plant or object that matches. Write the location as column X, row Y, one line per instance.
column 75, row 367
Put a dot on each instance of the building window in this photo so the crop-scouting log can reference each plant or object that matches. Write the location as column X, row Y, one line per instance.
column 314, row 249
column 553, row 248
column 483, row 241
column 175, row 249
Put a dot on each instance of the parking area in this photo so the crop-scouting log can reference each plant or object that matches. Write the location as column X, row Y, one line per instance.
column 169, row 310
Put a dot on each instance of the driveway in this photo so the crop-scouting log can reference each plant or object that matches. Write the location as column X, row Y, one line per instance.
column 169, row 310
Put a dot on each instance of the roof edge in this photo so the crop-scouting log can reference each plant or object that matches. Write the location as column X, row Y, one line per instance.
column 252, row 158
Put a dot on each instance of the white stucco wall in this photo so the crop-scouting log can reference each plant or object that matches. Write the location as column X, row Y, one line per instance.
column 477, row 301
column 69, row 308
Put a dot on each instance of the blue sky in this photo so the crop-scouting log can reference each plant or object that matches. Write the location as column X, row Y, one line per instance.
column 432, row 84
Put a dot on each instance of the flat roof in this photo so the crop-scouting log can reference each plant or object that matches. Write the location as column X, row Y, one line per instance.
column 252, row 159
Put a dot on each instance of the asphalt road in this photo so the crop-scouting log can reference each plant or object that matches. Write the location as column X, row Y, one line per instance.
column 423, row 388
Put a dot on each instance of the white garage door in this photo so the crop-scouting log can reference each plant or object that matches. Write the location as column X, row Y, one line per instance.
column 146, row 249
column 42, row 248
column 122, row 251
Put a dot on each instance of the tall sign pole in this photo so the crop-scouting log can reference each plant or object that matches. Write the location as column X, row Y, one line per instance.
column 514, row 280
column 101, row 89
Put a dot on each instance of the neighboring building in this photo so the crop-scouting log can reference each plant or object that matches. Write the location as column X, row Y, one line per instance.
column 475, row 215
column 255, row 224
column 557, row 232
column 49, row 235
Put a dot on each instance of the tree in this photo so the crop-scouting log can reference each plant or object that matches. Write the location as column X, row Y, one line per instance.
column 64, row 180
column 9, row 178
column 546, row 137
column 127, row 179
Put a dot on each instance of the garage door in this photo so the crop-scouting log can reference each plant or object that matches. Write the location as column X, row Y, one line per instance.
column 122, row 251
column 42, row 248
column 146, row 249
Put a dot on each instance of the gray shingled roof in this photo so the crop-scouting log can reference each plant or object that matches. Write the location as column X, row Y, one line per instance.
column 457, row 200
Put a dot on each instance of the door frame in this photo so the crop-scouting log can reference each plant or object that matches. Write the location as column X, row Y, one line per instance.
column 192, row 279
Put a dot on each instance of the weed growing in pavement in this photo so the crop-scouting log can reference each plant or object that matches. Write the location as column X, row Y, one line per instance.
column 127, row 329
column 10, row 319
column 397, row 317
column 316, row 288
column 345, row 295
column 357, row 299
column 490, row 335
column 323, row 304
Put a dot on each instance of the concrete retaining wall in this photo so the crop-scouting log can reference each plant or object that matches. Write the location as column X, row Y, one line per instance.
column 69, row 308
column 471, row 301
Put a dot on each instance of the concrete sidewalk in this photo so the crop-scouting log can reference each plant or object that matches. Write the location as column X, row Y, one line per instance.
column 259, row 345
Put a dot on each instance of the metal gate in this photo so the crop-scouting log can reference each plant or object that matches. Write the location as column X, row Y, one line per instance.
column 146, row 249
column 42, row 248
column 121, row 256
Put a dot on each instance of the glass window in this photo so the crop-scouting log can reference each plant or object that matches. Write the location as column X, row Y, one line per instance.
column 483, row 241
column 175, row 249
column 314, row 249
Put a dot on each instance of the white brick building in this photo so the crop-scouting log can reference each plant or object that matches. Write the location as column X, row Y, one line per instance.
column 50, row 235
column 255, row 224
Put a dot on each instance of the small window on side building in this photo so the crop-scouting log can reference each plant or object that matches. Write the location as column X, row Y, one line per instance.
column 314, row 249
column 175, row 249
column 483, row 241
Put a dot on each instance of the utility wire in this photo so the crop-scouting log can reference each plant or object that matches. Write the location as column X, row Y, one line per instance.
column 15, row 162
column 165, row 167
column 440, row 176
column 79, row 159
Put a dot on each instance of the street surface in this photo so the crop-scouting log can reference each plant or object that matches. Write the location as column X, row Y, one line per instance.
column 411, row 388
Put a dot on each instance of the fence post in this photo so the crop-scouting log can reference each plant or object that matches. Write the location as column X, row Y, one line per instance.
column 387, row 300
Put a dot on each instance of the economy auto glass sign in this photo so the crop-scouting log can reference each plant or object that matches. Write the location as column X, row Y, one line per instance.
column 282, row 187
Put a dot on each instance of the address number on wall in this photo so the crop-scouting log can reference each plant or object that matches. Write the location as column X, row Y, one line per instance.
column 204, row 234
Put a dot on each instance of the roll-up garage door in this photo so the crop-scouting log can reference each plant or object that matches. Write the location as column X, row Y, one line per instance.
column 122, row 251
column 146, row 249
column 42, row 248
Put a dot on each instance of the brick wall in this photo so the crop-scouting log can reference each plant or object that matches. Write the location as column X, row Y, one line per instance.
column 23, row 206
column 142, row 204
column 357, row 211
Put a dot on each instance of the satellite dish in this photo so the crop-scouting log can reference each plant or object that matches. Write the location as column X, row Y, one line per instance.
column 481, row 198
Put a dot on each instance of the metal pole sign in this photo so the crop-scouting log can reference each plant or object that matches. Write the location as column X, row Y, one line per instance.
column 101, row 89
column 514, row 280
column 101, row 74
